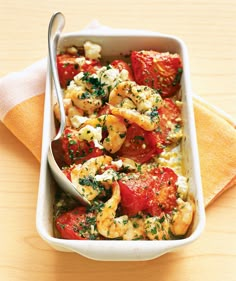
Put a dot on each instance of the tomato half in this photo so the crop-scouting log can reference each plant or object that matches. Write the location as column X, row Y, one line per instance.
column 140, row 145
column 75, row 151
column 153, row 192
column 162, row 194
column 161, row 71
column 120, row 65
column 90, row 66
column 134, row 194
column 77, row 224
column 68, row 68
column 170, row 120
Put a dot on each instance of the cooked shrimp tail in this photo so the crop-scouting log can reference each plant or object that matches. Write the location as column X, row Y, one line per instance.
column 182, row 218
column 83, row 176
column 108, row 224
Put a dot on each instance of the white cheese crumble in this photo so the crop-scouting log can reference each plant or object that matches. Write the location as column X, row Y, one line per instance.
column 108, row 175
column 118, row 163
column 80, row 60
column 110, row 77
column 92, row 51
column 78, row 80
column 77, row 121
column 182, row 187
column 90, row 133
column 171, row 158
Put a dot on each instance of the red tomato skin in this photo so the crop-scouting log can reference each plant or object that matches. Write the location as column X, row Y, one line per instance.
column 133, row 200
column 77, row 152
column 68, row 68
column 169, row 113
column 120, row 65
column 163, row 194
column 154, row 192
column 161, row 71
column 91, row 66
column 140, row 145
column 70, row 223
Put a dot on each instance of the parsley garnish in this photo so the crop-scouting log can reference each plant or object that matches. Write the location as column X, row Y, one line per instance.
column 97, row 86
column 154, row 114
column 90, row 181
column 139, row 138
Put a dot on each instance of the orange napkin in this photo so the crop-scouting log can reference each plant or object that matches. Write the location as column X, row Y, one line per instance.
column 21, row 110
column 22, row 103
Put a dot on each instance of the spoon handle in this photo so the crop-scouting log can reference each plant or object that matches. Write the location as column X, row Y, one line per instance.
column 56, row 25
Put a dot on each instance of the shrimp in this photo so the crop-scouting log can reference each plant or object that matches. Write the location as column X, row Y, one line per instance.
column 177, row 225
column 70, row 110
column 157, row 228
column 133, row 116
column 182, row 218
column 138, row 104
column 116, row 130
column 82, row 98
column 83, row 176
column 107, row 224
column 145, row 98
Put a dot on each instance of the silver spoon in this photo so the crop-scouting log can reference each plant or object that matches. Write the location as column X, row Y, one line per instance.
column 55, row 155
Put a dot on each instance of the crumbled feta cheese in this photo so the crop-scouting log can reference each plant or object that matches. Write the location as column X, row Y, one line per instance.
column 108, row 76
column 77, row 120
column 117, row 163
column 90, row 133
column 108, row 175
column 171, row 158
column 72, row 50
column 124, row 74
column 78, row 80
column 80, row 60
column 92, row 51
column 182, row 187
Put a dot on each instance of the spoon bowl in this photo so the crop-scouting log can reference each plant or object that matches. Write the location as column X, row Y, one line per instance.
column 55, row 154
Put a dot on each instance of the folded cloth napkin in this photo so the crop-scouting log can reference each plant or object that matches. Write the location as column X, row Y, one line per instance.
column 22, row 104
column 21, row 110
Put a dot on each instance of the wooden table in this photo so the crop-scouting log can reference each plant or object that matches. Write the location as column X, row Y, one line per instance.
column 209, row 30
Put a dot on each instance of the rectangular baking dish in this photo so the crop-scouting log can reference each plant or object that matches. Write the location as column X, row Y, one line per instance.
column 114, row 44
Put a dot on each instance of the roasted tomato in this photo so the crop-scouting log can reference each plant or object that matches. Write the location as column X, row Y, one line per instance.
column 134, row 194
column 153, row 192
column 68, row 68
column 120, row 65
column 161, row 71
column 77, row 224
column 90, row 66
column 75, row 151
column 170, row 121
column 140, row 145
column 162, row 194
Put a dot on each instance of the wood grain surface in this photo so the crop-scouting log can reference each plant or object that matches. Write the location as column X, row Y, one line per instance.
column 209, row 31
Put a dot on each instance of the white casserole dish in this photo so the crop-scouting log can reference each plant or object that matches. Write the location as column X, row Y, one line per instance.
column 110, row 250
